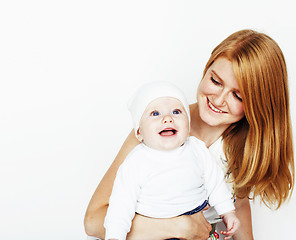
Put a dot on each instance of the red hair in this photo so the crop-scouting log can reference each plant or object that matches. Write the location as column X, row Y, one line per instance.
column 259, row 148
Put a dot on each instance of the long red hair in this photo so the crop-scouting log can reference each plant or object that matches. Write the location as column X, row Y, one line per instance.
column 259, row 148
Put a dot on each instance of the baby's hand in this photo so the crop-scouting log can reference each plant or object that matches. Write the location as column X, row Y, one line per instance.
column 232, row 224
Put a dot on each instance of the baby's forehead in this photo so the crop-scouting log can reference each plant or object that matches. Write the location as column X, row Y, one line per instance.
column 165, row 102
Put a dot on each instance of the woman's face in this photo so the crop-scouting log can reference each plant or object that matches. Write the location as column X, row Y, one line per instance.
column 218, row 95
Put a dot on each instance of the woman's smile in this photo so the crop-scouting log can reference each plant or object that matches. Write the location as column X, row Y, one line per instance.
column 213, row 108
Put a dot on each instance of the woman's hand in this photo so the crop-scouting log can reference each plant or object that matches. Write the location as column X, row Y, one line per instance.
column 185, row 227
column 195, row 227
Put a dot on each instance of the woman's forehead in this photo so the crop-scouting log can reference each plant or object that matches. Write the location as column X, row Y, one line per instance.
column 222, row 68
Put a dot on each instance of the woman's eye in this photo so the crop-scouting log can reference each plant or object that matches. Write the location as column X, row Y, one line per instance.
column 177, row 111
column 155, row 113
column 237, row 97
column 214, row 81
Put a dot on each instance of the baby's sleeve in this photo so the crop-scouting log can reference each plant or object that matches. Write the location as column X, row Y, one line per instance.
column 123, row 200
column 218, row 193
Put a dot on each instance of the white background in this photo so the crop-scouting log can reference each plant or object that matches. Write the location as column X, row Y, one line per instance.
column 67, row 69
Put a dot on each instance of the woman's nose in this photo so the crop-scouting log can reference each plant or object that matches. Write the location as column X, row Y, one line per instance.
column 167, row 119
column 220, row 99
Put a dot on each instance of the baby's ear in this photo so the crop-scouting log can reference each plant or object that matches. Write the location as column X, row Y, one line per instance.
column 139, row 137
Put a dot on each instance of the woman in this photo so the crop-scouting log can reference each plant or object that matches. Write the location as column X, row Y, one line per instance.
column 242, row 108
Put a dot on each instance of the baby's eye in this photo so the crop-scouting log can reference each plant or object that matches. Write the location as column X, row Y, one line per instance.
column 177, row 111
column 154, row 113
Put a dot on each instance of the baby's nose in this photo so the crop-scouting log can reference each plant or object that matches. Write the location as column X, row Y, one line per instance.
column 167, row 119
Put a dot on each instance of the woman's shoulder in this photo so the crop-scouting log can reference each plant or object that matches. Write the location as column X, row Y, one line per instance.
column 217, row 146
column 218, row 152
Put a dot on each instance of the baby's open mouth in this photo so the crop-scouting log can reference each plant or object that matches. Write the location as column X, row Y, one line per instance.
column 168, row 132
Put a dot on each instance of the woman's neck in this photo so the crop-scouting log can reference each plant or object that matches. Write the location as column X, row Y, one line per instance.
column 201, row 130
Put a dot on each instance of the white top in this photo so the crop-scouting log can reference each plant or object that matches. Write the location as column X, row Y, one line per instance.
column 217, row 151
column 163, row 184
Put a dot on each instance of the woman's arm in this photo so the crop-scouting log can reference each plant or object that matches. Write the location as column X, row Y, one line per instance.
column 189, row 227
column 183, row 227
column 243, row 212
column 97, row 208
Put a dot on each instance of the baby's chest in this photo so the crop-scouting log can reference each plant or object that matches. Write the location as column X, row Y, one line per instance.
column 175, row 176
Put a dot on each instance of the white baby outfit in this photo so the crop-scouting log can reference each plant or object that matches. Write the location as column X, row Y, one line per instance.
column 163, row 184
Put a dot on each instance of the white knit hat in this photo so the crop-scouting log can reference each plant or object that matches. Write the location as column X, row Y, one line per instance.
column 149, row 92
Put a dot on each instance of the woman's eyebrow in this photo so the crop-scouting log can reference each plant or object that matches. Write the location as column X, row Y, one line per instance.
column 213, row 71
column 217, row 75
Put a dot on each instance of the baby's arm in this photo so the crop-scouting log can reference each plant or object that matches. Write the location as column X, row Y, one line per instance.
column 232, row 224
column 218, row 193
column 123, row 200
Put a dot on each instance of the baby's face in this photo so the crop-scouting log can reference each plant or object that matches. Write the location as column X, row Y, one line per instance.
column 164, row 124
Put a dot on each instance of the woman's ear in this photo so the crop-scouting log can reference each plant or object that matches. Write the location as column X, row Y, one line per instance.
column 139, row 137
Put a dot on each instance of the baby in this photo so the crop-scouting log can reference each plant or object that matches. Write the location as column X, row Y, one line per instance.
column 169, row 173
